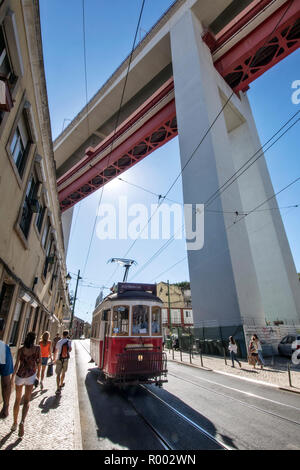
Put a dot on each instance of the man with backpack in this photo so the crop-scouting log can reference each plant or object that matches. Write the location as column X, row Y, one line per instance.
column 62, row 356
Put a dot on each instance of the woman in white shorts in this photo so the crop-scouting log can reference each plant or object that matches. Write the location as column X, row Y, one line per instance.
column 28, row 358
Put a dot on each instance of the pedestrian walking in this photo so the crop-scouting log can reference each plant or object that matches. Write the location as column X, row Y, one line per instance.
column 259, row 351
column 62, row 356
column 232, row 348
column 45, row 345
column 55, row 341
column 28, row 359
column 6, row 369
column 252, row 351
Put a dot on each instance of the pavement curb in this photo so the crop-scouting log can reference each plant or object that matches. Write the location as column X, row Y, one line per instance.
column 261, row 382
column 77, row 423
column 288, row 389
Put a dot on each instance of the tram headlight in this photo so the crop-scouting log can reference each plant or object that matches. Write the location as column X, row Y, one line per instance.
column 140, row 357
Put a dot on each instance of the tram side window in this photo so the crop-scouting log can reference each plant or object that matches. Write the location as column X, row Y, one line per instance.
column 140, row 320
column 95, row 327
column 156, row 321
column 120, row 325
column 105, row 315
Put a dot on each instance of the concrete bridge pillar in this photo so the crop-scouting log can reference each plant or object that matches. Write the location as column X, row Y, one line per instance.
column 229, row 281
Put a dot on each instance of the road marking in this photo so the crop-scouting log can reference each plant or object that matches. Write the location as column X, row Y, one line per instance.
column 242, row 391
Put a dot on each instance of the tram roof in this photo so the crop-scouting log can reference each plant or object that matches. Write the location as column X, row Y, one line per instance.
column 133, row 295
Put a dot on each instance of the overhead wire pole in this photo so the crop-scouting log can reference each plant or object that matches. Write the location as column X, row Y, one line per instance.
column 74, row 301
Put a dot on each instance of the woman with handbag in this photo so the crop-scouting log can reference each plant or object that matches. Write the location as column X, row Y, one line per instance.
column 45, row 345
column 253, row 353
column 28, row 359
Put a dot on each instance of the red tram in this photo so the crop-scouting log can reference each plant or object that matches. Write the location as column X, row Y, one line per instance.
column 126, row 339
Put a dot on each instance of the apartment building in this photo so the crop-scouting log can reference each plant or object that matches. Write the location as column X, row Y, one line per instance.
column 33, row 288
column 177, row 305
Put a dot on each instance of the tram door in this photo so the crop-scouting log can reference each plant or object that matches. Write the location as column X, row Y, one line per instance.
column 103, row 335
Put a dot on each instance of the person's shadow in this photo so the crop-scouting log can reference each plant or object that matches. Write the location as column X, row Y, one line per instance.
column 12, row 445
column 50, row 403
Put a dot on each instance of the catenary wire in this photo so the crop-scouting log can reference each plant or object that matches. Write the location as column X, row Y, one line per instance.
column 116, row 125
column 235, row 212
column 206, row 133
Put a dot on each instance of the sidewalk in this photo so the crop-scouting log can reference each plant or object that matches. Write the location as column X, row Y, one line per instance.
column 276, row 375
column 52, row 422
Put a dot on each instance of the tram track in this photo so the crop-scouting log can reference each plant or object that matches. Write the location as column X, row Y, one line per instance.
column 163, row 440
column 248, row 405
column 189, row 421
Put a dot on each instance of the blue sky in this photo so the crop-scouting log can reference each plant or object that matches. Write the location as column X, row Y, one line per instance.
column 110, row 28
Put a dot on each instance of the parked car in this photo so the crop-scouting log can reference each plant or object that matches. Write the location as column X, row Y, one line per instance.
column 288, row 345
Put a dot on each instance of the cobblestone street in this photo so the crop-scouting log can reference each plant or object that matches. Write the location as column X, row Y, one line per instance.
column 52, row 423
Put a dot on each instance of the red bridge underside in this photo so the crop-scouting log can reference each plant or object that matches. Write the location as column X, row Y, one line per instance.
column 264, row 47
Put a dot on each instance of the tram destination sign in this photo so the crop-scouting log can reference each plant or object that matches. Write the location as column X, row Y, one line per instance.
column 129, row 286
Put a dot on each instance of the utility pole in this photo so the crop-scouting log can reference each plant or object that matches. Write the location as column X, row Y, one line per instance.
column 74, row 301
column 169, row 302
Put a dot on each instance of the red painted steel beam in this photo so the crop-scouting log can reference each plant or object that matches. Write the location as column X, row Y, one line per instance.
column 241, row 20
column 265, row 46
column 91, row 153
column 158, row 130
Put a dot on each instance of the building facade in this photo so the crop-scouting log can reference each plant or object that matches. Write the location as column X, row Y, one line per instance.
column 33, row 290
column 77, row 328
column 177, row 306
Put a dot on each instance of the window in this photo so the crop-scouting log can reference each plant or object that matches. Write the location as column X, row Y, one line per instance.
column 156, row 321
column 284, row 340
column 105, row 315
column 5, row 302
column 45, row 232
column 188, row 316
column 175, row 316
column 140, row 320
column 29, row 205
column 15, row 324
column 20, row 144
column 291, row 339
column 95, row 327
column 40, row 217
column 7, row 77
column 49, row 257
column 26, row 324
column 165, row 316
column 120, row 325
column 35, row 320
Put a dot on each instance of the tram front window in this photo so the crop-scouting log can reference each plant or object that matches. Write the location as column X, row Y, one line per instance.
column 156, row 321
column 120, row 326
column 140, row 320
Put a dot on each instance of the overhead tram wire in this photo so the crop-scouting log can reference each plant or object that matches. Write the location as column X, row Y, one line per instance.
column 264, row 202
column 206, row 210
column 116, row 126
column 158, row 252
column 218, row 254
column 207, row 132
column 169, row 269
column 236, row 175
